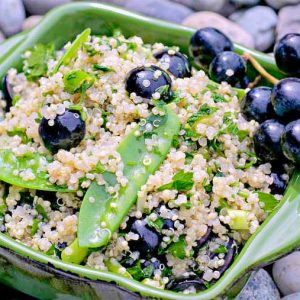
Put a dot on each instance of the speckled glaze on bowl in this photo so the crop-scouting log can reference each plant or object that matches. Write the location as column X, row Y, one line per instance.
column 45, row 277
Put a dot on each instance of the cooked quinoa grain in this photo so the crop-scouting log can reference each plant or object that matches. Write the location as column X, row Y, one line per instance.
column 200, row 205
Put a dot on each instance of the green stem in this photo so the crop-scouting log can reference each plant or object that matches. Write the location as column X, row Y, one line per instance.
column 259, row 68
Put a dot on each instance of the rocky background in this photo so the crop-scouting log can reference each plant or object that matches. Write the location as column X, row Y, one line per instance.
column 253, row 23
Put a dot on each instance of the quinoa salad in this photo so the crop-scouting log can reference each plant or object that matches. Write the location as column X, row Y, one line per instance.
column 118, row 155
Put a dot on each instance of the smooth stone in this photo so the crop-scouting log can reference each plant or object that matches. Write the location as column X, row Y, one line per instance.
column 280, row 3
column 222, row 7
column 288, row 21
column 162, row 9
column 245, row 2
column 200, row 5
column 259, row 286
column 260, row 21
column 115, row 2
column 210, row 19
column 295, row 296
column 286, row 273
column 40, row 7
column 2, row 37
column 31, row 22
column 12, row 15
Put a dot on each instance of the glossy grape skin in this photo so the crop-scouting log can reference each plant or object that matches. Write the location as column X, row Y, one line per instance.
column 206, row 43
column 229, row 67
column 178, row 63
column 66, row 133
column 286, row 99
column 291, row 142
column 231, row 247
column 267, row 140
column 279, row 181
column 287, row 54
column 148, row 241
column 143, row 82
column 257, row 104
column 202, row 241
column 7, row 92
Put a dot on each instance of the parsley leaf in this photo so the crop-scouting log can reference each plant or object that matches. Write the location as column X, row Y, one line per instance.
column 177, row 249
column 175, row 142
column 41, row 210
column 190, row 133
column 157, row 224
column 163, row 89
column 139, row 273
column 78, row 81
column 189, row 157
column 97, row 67
column 182, row 182
column 269, row 201
column 204, row 111
column 232, row 128
column 218, row 98
column 21, row 133
column 221, row 249
column 242, row 134
column 91, row 51
column 15, row 99
column 35, row 226
column 35, row 66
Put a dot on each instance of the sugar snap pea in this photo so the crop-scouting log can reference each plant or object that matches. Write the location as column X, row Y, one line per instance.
column 71, row 52
column 74, row 254
column 101, row 215
column 12, row 166
column 115, row 267
column 139, row 163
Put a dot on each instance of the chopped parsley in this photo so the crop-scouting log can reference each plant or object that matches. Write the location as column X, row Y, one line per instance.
column 91, row 51
column 101, row 68
column 182, row 182
column 177, row 249
column 269, row 201
column 175, row 142
column 35, row 226
column 232, row 128
column 15, row 99
column 188, row 158
column 35, row 66
column 139, row 273
column 221, row 249
column 204, row 111
column 21, row 133
column 157, row 224
column 78, row 81
column 218, row 98
column 41, row 210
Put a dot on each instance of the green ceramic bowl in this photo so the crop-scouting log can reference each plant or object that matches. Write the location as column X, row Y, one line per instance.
column 48, row 278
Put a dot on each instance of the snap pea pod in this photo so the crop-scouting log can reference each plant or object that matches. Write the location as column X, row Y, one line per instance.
column 71, row 52
column 11, row 166
column 74, row 254
column 139, row 164
column 93, row 205
column 115, row 267
column 88, row 207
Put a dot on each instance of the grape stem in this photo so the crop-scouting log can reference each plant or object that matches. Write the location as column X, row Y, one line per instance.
column 259, row 68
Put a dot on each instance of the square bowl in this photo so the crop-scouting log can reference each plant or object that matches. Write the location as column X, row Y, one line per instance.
column 45, row 277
